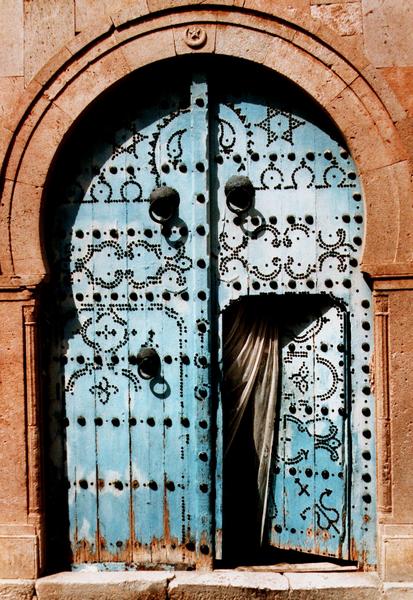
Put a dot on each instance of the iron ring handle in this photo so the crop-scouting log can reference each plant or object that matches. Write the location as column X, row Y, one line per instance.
column 148, row 362
column 163, row 204
column 239, row 193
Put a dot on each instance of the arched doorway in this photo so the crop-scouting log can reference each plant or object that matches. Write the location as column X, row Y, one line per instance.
column 138, row 295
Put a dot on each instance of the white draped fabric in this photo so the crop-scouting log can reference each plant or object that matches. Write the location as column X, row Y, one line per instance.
column 251, row 376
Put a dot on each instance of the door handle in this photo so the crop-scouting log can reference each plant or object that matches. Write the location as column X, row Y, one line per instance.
column 148, row 362
column 163, row 204
column 240, row 193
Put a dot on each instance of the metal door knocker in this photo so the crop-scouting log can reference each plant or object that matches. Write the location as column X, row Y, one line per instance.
column 163, row 204
column 148, row 362
column 240, row 193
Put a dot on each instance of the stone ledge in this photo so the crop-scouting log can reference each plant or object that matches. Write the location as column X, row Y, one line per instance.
column 398, row 591
column 217, row 585
column 230, row 585
column 93, row 585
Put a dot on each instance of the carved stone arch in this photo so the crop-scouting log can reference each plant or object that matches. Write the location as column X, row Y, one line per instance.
column 299, row 48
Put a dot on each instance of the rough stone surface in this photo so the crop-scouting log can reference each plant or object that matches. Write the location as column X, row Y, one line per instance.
column 10, row 89
column 48, row 25
column 16, row 589
column 387, row 26
column 401, row 81
column 12, row 38
column 103, row 586
column 18, row 556
column 344, row 17
column 398, row 591
column 250, row 45
column 228, row 585
column 13, row 500
column 265, row 6
column 324, row 586
column 87, row 12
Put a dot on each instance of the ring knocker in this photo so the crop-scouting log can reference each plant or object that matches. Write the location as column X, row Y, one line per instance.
column 163, row 204
column 240, row 193
column 148, row 362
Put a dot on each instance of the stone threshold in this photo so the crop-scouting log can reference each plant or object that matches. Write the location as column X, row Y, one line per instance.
column 216, row 585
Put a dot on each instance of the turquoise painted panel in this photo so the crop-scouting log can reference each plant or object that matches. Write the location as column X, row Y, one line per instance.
column 138, row 450
column 310, row 467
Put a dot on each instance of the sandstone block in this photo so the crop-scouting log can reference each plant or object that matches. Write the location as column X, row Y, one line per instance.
column 16, row 589
column 398, row 591
column 12, row 38
column 325, row 586
column 332, row 1
column 129, row 585
column 89, row 12
column 345, row 18
column 94, row 80
column 244, row 43
column 180, row 36
column 401, row 81
column 368, row 148
column 272, row 7
column 228, row 585
column 10, row 90
column 129, row 12
column 18, row 558
column 381, row 188
column 381, row 118
column 155, row 5
column 149, row 48
column 48, row 25
column 43, row 145
column 26, row 246
column 387, row 32
column 398, row 558
column 305, row 70
column 332, row 60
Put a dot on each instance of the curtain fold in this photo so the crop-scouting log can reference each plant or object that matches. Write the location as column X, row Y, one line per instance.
column 250, row 357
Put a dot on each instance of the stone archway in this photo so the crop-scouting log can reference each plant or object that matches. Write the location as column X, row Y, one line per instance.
column 343, row 84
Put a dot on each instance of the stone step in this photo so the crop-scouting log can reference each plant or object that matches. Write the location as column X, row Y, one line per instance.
column 216, row 585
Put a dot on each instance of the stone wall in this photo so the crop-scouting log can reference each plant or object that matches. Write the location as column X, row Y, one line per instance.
column 355, row 57
column 36, row 29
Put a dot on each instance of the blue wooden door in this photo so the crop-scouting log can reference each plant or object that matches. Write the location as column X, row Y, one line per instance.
column 138, row 443
column 299, row 245
column 142, row 449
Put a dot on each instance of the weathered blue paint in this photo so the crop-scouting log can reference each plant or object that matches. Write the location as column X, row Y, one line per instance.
column 301, row 241
column 138, row 450
column 144, row 467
